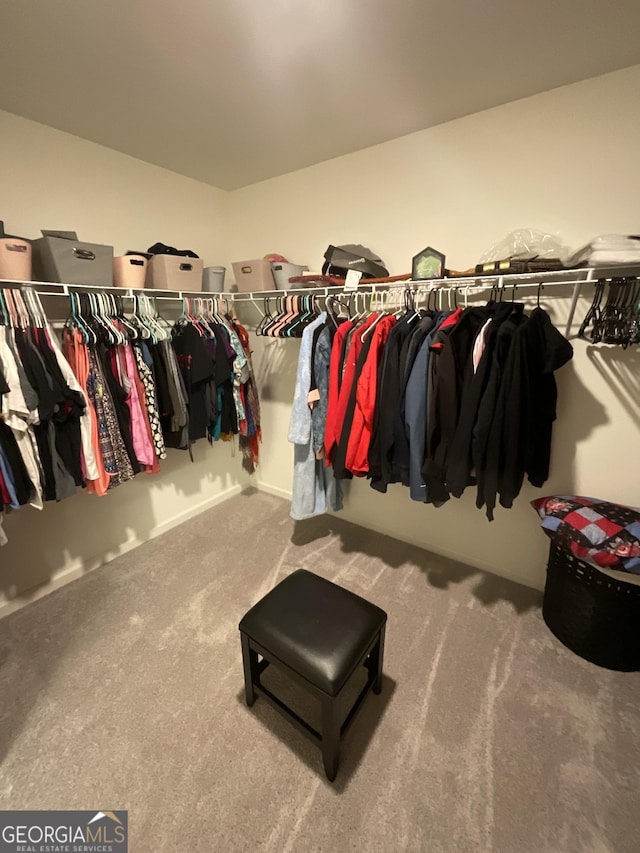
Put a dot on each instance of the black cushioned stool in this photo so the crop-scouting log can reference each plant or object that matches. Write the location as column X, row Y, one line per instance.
column 319, row 634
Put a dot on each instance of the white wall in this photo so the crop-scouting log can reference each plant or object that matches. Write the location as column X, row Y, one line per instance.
column 50, row 179
column 566, row 161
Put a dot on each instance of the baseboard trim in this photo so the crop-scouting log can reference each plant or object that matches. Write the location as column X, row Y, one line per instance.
column 268, row 489
column 81, row 567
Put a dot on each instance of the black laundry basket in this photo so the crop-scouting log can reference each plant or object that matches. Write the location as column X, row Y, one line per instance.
column 596, row 616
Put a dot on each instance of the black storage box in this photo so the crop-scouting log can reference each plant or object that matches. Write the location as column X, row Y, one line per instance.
column 593, row 614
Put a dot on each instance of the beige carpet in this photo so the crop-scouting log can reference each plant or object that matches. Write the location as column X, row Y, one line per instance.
column 124, row 690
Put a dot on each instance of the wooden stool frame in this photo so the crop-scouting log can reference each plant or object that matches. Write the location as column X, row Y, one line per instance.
column 332, row 728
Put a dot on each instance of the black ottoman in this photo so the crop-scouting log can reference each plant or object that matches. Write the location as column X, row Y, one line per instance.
column 319, row 634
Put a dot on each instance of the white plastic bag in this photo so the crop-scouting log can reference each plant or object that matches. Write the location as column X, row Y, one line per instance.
column 524, row 244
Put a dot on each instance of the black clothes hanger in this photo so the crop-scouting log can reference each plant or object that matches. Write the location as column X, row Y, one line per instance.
column 266, row 318
column 593, row 314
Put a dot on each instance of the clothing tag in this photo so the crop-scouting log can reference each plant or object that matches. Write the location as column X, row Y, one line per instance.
column 352, row 280
column 313, row 396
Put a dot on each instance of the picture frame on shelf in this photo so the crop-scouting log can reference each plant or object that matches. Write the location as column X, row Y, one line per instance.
column 427, row 265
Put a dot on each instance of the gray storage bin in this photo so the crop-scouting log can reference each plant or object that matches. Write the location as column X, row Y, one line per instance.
column 283, row 272
column 213, row 279
column 61, row 257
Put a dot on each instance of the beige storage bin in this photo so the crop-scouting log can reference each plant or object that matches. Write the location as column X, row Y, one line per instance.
column 15, row 259
column 129, row 271
column 253, row 275
column 174, row 272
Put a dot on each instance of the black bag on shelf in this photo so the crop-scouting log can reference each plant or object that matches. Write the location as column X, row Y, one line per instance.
column 340, row 259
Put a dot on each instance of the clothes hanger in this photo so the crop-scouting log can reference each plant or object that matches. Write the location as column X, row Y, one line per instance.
column 24, row 318
column 157, row 323
column 141, row 322
column 311, row 311
column 4, row 309
column 290, row 314
column 13, row 319
column 292, row 318
column 329, row 304
column 266, row 316
column 276, row 321
column 593, row 312
column 119, row 313
column 271, row 318
column 99, row 311
column 381, row 313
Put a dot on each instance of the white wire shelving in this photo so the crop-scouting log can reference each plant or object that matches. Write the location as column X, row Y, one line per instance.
column 463, row 286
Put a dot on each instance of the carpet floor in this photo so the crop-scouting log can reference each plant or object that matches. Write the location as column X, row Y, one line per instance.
column 124, row 690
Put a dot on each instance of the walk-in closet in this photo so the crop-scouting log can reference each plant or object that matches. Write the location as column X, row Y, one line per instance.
column 319, row 417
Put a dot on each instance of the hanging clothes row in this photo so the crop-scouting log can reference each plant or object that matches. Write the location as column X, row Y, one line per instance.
column 215, row 358
column 122, row 388
column 438, row 400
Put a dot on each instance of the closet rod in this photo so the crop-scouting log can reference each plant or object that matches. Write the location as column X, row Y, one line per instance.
column 575, row 278
column 54, row 288
column 560, row 277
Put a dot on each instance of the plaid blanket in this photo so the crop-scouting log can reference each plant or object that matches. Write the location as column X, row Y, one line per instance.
column 605, row 533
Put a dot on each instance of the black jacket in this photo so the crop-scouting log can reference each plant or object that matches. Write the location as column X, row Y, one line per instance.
column 520, row 436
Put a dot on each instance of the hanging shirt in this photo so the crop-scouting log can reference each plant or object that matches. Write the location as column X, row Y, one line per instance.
column 359, row 440
column 479, row 344
column 388, row 424
column 335, row 381
column 460, row 460
column 314, row 487
column 197, row 370
column 520, row 439
column 345, row 405
column 86, row 432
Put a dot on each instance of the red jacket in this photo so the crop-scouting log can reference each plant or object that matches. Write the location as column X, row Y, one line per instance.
column 362, row 428
column 335, row 419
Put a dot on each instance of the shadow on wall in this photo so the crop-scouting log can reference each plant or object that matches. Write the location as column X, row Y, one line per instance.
column 86, row 531
column 277, row 359
column 70, row 534
column 440, row 572
column 579, row 413
column 621, row 370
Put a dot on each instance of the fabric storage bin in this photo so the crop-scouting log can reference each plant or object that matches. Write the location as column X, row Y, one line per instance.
column 129, row 271
column 174, row 272
column 283, row 272
column 213, row 279
column 61, row 257
column 593, row 614
column 253, row 275
column 15, row 259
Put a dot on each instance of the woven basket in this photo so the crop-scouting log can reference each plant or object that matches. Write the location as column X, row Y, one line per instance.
column 596, row 616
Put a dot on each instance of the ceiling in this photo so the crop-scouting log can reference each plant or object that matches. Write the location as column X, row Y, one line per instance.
column 235, row 91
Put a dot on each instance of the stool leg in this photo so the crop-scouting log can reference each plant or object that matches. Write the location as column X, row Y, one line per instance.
column 251, row 674
column 330, row 737
column 375, row 663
